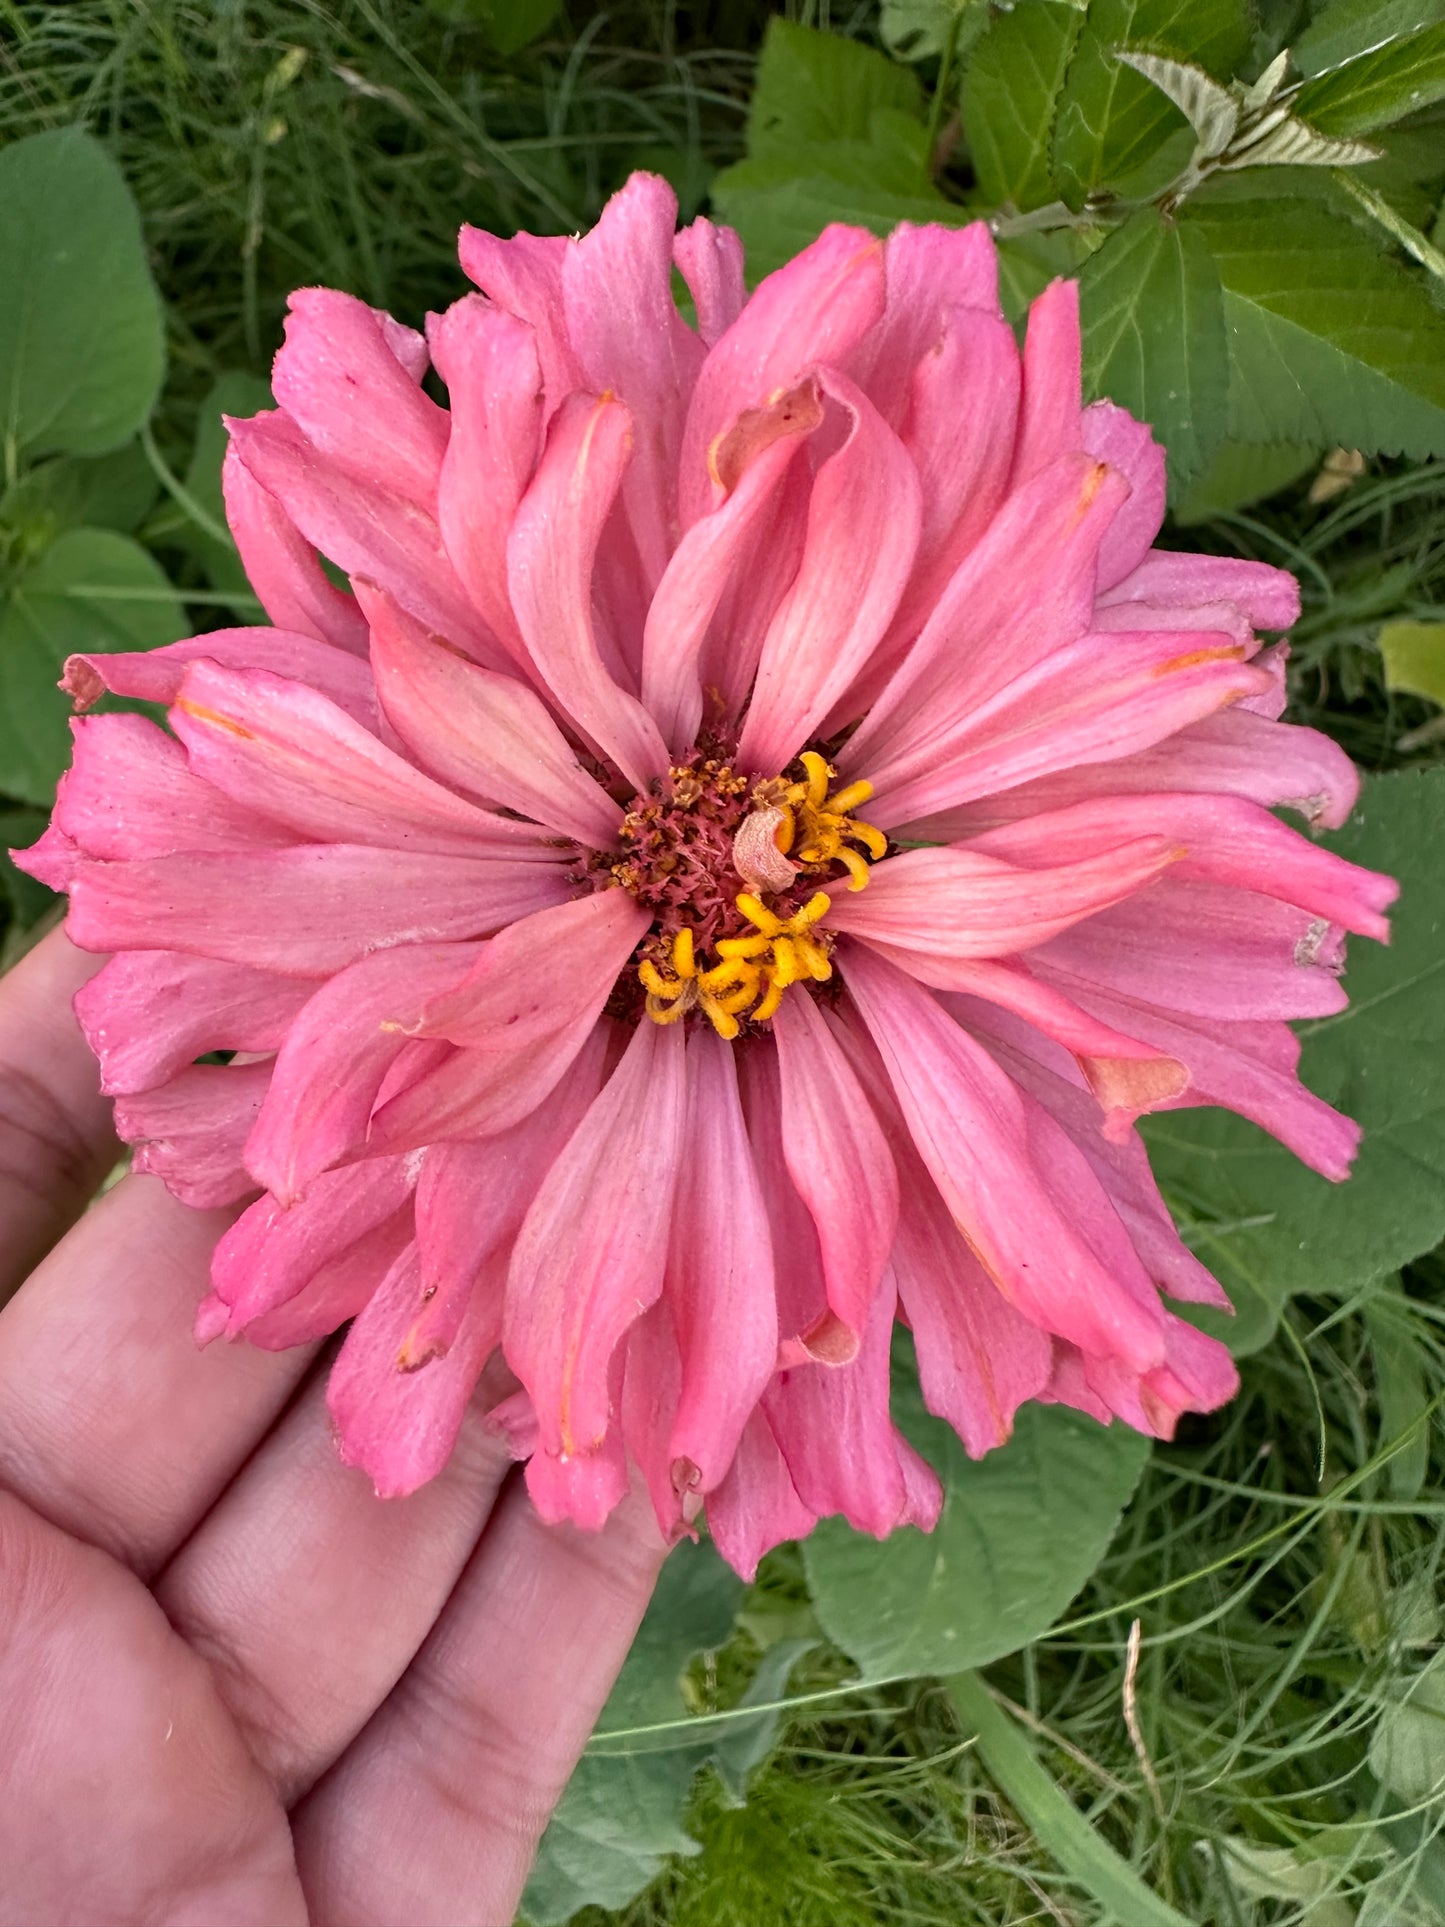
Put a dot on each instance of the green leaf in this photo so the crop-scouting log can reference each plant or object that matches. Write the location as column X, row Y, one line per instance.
column 1070, row 1840
column 1414, row 655
column 1407, row 1752
column 92, row 589
column 1112, row 120
column 919, row 29
column 1241, row 473
column 1021, row 1531
column 1400, row 1388
column 1330, row 340
column 818, row 87
column 1348, row 28
column 1010, row 97
column 622, row 1811
column 834, row 134
column 82, row 349
column 1154, row 341
column 1397, row 79
column 71, row 491
column 1263, row 1223
column 28, row 900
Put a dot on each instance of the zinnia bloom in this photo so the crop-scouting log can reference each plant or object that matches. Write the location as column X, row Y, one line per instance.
column 760, row 826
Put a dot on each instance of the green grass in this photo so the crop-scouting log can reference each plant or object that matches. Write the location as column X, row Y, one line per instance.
column 1282, row 1561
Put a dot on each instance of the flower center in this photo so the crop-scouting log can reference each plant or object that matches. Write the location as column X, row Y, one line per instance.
column 730, row 868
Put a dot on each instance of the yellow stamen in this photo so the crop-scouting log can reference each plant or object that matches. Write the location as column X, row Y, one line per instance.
column 768, row 1007
column 683, row 961
column 857, row 868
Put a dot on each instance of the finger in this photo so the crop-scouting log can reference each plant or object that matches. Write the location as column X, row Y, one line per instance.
column 56, row 1140
column 310, row 1596
column 436, row 1811
column 112, row 1422
column 129, row 1795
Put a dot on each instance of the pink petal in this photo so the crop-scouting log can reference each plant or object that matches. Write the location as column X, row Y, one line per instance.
column 631, row 341
column 192, row 1131
column 365, row 529
column 282, row 566
column 807, row 1327
column 719, row 1276
column 147, row 1014
column 972, row 1130
column 1226, row 840
column 1267, row 597
column 838, row 1159
column 473, row 1196
column 1119, row 1163
column 342, row 1286
column 1091, row 701
column 754, row 594
column 550, row 556
column 130, row 792
column 1112, row 435
column 961, row 903
column 842, row 1450
column 1022, row 594
column 52, row 860
column 272, row 1252
column 488, row 360
column 397, row 1422
column 757, row 1505
column 1050, row 424
column 710, row 261
column 1212, row 950
column 523, row 276
column 336, row 1054
column 590, row 1255
column 340, row 381
column 325, row 904
column 279, row 746
column 585, row 1487
column 863, row 524
column 649, row 1400
column 483, row 733
column 929, row 274
column 811, row 313
column 751, row 461
column 1232, row 753
column 156, row 675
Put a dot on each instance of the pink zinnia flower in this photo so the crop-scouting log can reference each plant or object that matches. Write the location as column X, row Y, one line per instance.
column 760, row 827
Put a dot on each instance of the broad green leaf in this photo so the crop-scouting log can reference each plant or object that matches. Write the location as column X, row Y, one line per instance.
column 82, row 349
column 508, row 24
column 814, row 87
column 919, row 29
column 1111, row 120
column 1010, row 97
column 1021, row 1531
column 1330, row 340
column 1265, row 1224
column 1397, row 79
column 1407, row 1751
column 622, row 1811
column 92, row 589
column 1075, row 1845
column 28, row 900
column 1414, row 655
column 778, row 211
column 1241, row 473
column 1154, row 341
column 1348, row 28
column 74, row 491
column 1027, row 263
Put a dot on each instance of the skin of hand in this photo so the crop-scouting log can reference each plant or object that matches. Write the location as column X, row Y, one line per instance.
column 236, row 1687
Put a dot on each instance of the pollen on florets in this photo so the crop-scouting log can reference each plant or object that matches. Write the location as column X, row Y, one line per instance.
column 730, row 868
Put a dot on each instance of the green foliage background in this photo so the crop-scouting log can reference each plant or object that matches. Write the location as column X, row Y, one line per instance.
column 1199, row 1683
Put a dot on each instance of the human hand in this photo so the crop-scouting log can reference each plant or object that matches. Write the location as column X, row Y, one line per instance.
column 235, row 1686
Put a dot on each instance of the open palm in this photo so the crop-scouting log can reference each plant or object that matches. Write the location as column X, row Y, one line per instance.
column 234, row 1686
